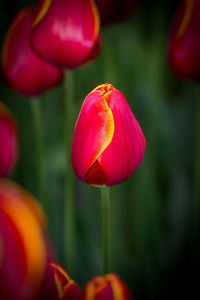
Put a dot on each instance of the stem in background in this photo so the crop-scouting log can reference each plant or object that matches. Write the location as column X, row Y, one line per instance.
column 105, row 196
column 69, row 175
column 39, row 142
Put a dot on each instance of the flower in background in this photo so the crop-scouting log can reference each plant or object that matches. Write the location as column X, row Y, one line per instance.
column 65, row 32
column 107, row 287
column 108, row 143
column 24, row 71
column 23, row 246
column 113, row 11
column 8, row 141
column 184, row 42
column 58, row 285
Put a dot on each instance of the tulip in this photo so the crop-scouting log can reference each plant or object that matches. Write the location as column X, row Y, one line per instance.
column 24, row 71
column 8, row 141
column 65, row 32
column 58, row 285
column 114, row 11
column 184, row 42
column 23, row 250
column 108, row 143
column 107, row 287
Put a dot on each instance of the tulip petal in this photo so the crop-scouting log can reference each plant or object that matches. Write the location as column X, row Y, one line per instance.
column 24, row 71
column 128, row 142
column 93, row 133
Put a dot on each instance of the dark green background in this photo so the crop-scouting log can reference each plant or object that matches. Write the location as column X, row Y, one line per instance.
column 153, row 238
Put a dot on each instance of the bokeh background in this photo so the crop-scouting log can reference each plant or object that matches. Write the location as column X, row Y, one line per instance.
column 154, row 245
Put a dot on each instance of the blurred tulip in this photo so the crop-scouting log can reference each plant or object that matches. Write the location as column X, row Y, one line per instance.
column 65, row 32
column 107, row 287
column 184, row 43
column 113, row 11
column 108, row 143
column 24, row 71
column 23, row 250
column 8, row 141
column 58, row 285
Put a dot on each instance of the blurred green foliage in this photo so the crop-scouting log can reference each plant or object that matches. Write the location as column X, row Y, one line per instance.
column 152, row 214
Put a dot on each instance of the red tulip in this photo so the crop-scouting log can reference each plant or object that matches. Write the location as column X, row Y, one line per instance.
column 113, row 11
column 24, row 71
column 107, row 287
column 108, row 143
column 184, row 43
column 58, row 285
column 23, row 252
column 65, row 32
column 8, row 141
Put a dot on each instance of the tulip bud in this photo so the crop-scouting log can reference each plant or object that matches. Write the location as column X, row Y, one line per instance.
column 114, row 11
column 108, row 143
column 24, row 71
column 8, row 141
column 23, row 251
column 184, row 43
column 58, row 285
column 65, row 32
column 107, row 287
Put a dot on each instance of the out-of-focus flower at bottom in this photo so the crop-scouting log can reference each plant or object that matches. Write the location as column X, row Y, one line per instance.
column 107, row 287
column 23, row 244
column 58, row 285
column 8, row 141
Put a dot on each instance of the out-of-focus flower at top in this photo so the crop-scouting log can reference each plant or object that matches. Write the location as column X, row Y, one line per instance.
column 114, row 11
column 8, row 141
column 107, row 287
column 108, row 143
column 23, row 247
column 24, row 71
column 184, row 42
column 58, row 285
column 65, row 32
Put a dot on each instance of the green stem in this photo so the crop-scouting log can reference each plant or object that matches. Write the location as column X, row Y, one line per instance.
column 105, row 196
column 39, row 142
column 69, row 175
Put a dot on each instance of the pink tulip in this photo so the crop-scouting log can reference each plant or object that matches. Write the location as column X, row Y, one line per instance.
column 108, row 143
column 8, row 141
column 24, row 71
column 65, row 32
column 184, row 43
column 107, row 287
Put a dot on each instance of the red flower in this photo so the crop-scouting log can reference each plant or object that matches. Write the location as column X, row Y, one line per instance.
column 8, row 141
column 113, row 11
column 108, row 143
column 58, row 285
column 107, row 287
column 65, row 32
column 184, row 43
column 23, row 250
column 24, row 71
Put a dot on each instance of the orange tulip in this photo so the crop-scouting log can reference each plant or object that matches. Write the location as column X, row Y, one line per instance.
column 23, row 250
column 107, row 287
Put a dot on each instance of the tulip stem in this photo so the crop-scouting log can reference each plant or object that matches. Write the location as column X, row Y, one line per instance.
column 69, row 175
column 41, row 170
column 197, row 165
column 105, row 196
